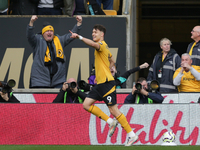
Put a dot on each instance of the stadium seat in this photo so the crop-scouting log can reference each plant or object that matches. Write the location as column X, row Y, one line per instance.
column 110, row 12
column 116, row 4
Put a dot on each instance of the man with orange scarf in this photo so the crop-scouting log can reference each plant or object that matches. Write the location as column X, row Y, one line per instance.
column 48, row 68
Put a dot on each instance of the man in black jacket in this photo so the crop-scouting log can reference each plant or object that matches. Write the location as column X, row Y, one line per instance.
column 8, row 98
column 142, row 95
column 70, row 93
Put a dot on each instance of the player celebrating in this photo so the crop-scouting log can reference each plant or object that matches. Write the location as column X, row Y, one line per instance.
column 105, row 89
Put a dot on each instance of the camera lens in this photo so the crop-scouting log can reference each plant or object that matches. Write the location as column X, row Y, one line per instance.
column 82, row 84
column 138, row 86
column 154, row 85
column 11, row 83
column 73, row 84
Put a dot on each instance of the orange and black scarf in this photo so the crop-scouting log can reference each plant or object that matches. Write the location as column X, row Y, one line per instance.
column 59, row 52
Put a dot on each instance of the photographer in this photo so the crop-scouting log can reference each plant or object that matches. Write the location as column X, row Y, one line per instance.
column 141, row 95
column 6, row 94
column 8, row 98
column 70, row 93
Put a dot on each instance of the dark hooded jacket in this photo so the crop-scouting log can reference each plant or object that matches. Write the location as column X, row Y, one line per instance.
column 171, row 62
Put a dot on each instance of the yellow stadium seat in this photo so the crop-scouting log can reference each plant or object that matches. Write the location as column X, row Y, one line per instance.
column 110, row 12
column 116, row 4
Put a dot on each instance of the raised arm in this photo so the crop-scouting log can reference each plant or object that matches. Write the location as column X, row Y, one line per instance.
column 33, row 19
column 79, row 20
column 195, row 73
column 30, row 32
column 85, row 40
column 177, row 77
column 129, row 72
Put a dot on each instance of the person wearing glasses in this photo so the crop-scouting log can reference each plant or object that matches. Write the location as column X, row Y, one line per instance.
column 193, row 48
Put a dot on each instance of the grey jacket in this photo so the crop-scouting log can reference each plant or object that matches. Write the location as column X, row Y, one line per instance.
column 40, row 75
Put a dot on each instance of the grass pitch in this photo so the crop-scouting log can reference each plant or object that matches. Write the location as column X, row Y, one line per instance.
column 95, row 147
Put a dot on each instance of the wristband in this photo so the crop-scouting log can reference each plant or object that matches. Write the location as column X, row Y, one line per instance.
column 80, row 37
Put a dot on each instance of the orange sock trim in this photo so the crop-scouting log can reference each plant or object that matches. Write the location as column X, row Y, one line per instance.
column 98, row 112
column 124, row 123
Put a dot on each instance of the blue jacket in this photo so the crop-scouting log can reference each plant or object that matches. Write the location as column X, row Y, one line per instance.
column 142, row 99
column 170, row 64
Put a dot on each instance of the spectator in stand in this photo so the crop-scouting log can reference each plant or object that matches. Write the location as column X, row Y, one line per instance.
column 8, row 98
column 70, row 93
column 3, row 7
column 187, row 77
column 48, row 68
column 163, row 67
column 50, row 7
column 23, row 7
column 81, row 7
column 75, row 7
column 142, row 95
column 107, row 4
column 193, row 47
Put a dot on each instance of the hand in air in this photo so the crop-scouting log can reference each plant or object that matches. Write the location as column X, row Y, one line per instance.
column 74, row 35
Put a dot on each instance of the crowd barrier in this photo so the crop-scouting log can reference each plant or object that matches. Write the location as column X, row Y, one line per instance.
column 47, row 96
column 70, row 124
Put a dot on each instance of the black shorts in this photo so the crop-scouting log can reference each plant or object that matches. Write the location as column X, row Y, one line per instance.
column 100, row 92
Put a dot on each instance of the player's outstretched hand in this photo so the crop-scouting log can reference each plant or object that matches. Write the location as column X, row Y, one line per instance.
column 74, row 35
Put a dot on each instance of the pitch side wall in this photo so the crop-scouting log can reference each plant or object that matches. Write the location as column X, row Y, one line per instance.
column 70, row 124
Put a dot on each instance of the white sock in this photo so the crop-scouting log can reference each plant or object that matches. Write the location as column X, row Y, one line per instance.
column 131, row 134
column 109, row 121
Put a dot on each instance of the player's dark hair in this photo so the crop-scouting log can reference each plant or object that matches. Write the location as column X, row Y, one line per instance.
column 100, row 28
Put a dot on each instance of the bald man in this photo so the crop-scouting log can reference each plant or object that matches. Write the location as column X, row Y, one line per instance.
column 187, row 77
column 70, row 93
column 194, row 47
